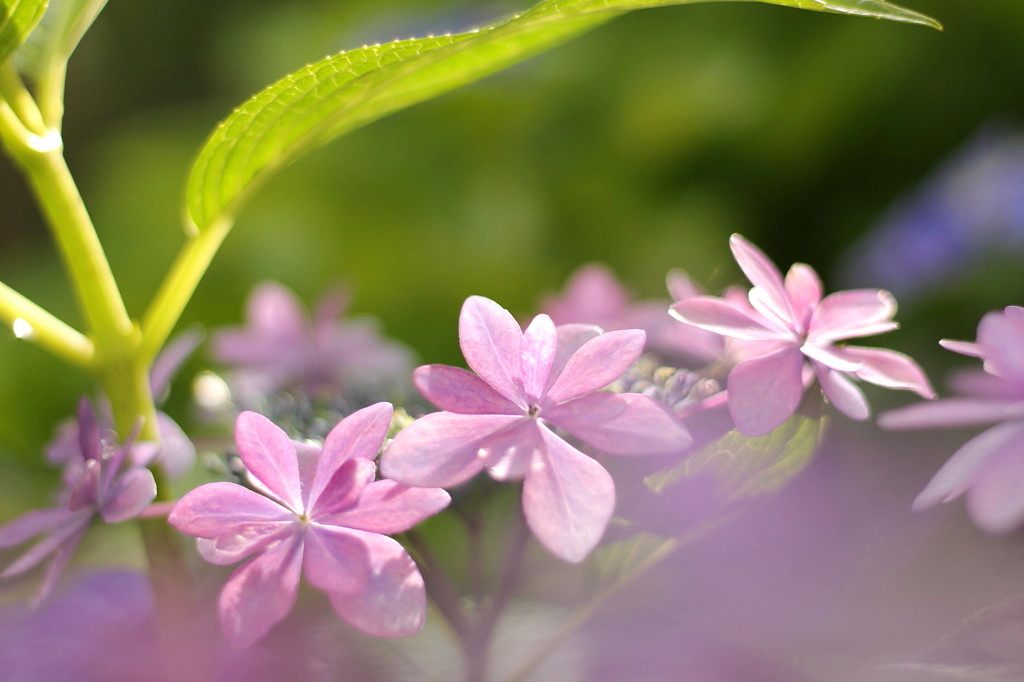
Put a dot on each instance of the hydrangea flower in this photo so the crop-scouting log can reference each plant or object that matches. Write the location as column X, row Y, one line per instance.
column 799, row 330
column 501, row 418
column 989, row 468
column 96, row 483
column 281, row 347
column 174, row 452
column 317, row 512
column 594, row 296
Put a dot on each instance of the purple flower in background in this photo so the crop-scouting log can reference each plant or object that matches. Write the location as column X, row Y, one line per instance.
column 800, row 328
column 95, row 483
column 317, row 512
column 499, row 418
column 174, row 452
column 969, row 208
column 594, row 296
column 989, row 468
column 281, row 347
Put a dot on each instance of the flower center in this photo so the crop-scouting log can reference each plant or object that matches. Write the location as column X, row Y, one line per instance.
column 533, row 411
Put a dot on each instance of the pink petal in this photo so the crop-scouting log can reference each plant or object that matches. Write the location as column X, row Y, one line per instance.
column 957, row 474
column 888, row 368
column 508, row 454
column 217, row 509
column 261, row 593
column 1000, row 335
column 388, row 507
column 963, row 347
column 568, row 499
column 763, row 274
column 60, row 560
column 994, row 500
column 680, row 286
column 831, row 357
column 344, row 487
column 32, row 523
column 131, row 493
column 491, row 339
column 177, row 453
column 842, row 393
column 592, row 295
column 274, row 310
column 540, row 341
column 335, row 558
column 246, row 540
column 85, row 489
column 804, row 289
column 765, row 391
column 626, row 424
column 69, row 532
column 441, row 449
column 392, row 601
column 721, row 317
column 858, row 312
column 950, row 413
column 170, row 360
column 270, row 457
column 360, row 435
column 457, row 390
column 571, row 337
column 596, row 364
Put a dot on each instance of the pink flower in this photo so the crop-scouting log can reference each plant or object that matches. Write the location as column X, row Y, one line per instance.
column 499, row 418
column 281, row 347
column 95, row 484
column 800, row 331
column 593, row 296
column 989, row 468
column 319, row 513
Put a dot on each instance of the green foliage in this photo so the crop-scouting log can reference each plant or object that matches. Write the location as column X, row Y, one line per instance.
column 58, row 34
column 19, row 18
column 745, row 467
column 319, row 102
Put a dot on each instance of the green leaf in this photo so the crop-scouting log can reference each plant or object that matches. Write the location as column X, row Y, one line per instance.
column 745, row 467
column 19, row 18
column 58, row 34
column 319, row 102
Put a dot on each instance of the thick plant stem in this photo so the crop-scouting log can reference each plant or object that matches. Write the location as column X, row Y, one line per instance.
column 114, row 354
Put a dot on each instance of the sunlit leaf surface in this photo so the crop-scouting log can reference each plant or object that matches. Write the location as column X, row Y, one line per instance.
column 321, row 101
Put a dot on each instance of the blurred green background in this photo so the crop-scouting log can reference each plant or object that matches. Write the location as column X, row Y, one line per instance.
column 643, row 145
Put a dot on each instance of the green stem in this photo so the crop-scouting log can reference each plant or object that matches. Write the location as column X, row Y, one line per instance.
column 76, row 18
column 120, row 368
column 178, row 286
column 44, row 329
column 13, row 91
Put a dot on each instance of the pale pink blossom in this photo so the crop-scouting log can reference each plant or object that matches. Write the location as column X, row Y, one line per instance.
column 314, row 512
column 989, row 468
column 594, row 296
column 799, row 331
column 502, row 417
column 282, row 347
column 96, row 483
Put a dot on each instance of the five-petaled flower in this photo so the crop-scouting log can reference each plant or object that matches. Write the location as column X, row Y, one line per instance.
column 319, row 513
column 96, row 482
column 796, row 325
column 499, row 418
column 989, row 468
